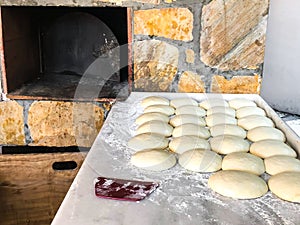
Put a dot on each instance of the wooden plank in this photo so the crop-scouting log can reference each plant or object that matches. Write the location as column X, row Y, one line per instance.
column 30, row 189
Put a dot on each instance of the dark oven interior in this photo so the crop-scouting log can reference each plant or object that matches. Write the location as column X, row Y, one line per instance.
column 64, row 52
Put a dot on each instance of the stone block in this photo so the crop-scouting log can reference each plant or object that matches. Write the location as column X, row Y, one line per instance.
column 155, row 65
column 149, row 1
column 233, row 33
column 120, row 2
column 173, row 23
column 190, row 82
column 11, row 123
column 189, row 56
column 236, row 85
column 64, row 123
column 117, row 2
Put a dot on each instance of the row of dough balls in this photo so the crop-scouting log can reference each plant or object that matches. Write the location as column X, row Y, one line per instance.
column 199, row 159
column 158, row 123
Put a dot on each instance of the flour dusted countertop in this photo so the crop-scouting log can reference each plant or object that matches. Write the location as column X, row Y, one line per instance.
column 182, row 197
column 293, row 121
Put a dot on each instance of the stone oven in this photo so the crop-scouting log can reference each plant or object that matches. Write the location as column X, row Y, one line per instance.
column 47, row 51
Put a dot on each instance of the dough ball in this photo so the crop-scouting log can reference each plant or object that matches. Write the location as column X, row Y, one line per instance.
column 156, row 127
column 190, row 109
column 244, row 162
column 250, row 122
column 268, row 148
column 241, row 102
column 221, row 109
column 250, row 111
column 154, row 100
column 186, row 118
column 153, row 159
column 145, row 117
column 178, row 102
column 281, row 163
column 225, row 144
column 191, row 129
column 263, row 133
column 147, row 141
column 227, row 129
column 164, row 109
column 219, row 118
column 213, row 102
column 185, row 143
column 286, row 186
column 200, row 160
column 237, row 184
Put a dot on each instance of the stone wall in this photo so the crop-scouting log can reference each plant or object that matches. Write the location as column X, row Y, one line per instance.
column 208, row 38
column 205, row 46
column 178, row 46
column 50, row 123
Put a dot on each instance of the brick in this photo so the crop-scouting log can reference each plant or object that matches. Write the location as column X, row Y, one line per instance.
column 233, row 33
column 236, row 85
column 173, row 23
column 11, row 123
column 64, row 123
column 155, row 65
column 190, row 82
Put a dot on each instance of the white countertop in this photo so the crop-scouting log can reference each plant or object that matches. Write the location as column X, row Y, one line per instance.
column 293, row 121
column 182, row 198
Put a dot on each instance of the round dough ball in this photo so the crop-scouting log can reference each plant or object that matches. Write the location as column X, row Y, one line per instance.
column 241, row 102
column 281, row 163
column 164, row 109
column 219, row 118
column 145, row 117
column 237, row 184
column 146, row 141
column 153, row 159
column 200, row 160
column 263, row 133
column 178, row 102
column 156, row 127
column 268, row 148
column 227, row 129
column 250, row 122
column 154, row 100
column 186, row 143
column 221, row 109
column 286, row 186
column 186, row 118
column 244, row 162
column 225, row 144
column 190, row 109
column 213, row 102
column 191, row 129
column 250, row 111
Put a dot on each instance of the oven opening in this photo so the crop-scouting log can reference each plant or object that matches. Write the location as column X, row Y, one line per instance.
column 64, row 53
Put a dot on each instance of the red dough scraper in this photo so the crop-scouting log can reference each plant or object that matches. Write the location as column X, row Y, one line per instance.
column 126, row 190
